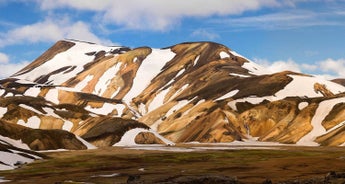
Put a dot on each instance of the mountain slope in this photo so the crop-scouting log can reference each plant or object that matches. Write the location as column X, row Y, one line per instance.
column 200, row 91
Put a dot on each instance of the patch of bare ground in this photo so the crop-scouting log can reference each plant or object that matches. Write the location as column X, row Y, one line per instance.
column 120, row 165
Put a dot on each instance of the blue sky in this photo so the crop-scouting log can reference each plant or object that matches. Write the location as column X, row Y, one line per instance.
column 300, row 35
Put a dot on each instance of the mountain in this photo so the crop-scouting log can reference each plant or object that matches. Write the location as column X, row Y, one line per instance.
column 200, row 91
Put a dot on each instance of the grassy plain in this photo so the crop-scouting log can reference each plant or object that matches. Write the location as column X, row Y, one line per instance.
column 116, row 165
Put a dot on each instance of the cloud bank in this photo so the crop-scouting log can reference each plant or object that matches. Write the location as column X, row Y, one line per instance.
column 3, row 58
column 50, row 30
column 8, row 69
column 328, row 68
column 156, row 14
column 59, row 22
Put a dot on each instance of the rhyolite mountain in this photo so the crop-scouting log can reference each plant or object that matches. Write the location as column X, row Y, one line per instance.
column 189, row 92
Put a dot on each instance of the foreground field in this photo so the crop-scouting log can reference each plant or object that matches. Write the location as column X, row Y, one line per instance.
column 235, row 164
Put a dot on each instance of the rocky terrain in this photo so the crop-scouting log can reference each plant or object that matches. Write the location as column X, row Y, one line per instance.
column 78, row 93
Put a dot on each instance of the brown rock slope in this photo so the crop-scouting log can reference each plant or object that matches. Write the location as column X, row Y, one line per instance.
column 339, row 81
column 38, row 139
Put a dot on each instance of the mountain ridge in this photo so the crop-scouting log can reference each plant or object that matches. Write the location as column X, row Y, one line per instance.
column 193, row 91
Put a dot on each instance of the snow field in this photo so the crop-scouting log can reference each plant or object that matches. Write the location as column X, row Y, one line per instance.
column 75, row 56
column 252, row 67
column 128, row 139
column 105, row 79
column 304, row 86
column 10, row 159
column 149, row 68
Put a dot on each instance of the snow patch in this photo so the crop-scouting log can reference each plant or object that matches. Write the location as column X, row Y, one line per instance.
column 50, row 112
column 30, row 108
column 178, row 106
column 251, row 99
column 81, row 85
column 11, row 159
column 180, row 72
column 196, row 60
column 336, row 126
column 228, row 95
column 300, row 86
column 87, row 144
column 128, row 139
column 75, row 56
column 224, row 55
column 149, row 68
column 239, row 75
column 33, row 122
column 33, row 91
column 16, row 143
column 302, row 105
column 21, row 81
column 3, row 111
column 252, row 67
column 67, row 126
column 105, row 79
column 322, row 111
column 157, row 101
column 53, row 96
column 106, row 175
column 9, row 95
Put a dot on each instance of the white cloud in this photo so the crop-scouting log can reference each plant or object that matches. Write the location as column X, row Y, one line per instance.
column 50, row 30
column 279, row 66
column 205, row 34
column 3, row 58
column 77, row 4
column 309, row 67
column 327, row 69
column 8, row 69
column 157, row 14
column 282, row 20
column 335, row 66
